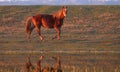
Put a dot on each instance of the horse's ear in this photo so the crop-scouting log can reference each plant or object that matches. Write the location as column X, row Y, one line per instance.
column 64, row 7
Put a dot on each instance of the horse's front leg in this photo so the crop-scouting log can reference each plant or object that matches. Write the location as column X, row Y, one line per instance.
column 58, row 33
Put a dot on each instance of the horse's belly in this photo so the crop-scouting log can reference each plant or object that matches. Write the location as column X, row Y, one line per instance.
column 48, row 23
column 48, row 26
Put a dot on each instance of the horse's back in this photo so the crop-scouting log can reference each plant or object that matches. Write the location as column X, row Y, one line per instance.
column 37, row 17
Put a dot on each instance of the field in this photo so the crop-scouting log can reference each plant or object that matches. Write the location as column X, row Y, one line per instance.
column 90, row 39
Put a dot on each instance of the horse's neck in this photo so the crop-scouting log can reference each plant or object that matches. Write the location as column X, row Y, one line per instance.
column 58, row 14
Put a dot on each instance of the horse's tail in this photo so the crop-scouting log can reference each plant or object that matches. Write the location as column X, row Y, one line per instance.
column 28, row 24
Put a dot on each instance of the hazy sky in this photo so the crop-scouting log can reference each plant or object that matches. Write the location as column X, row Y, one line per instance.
column 60, row 2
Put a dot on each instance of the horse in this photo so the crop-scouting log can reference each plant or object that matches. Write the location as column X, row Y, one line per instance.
column 54, row 21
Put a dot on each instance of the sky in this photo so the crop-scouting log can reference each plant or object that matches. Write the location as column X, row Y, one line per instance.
column 59, row 2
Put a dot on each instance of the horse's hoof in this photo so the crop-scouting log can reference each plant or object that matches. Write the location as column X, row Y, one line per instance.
column 54, row 37
column 28, row 39
column 41, row 38
column 58, row 38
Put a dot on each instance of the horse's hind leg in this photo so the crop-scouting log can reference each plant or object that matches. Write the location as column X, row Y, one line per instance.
column 28, row 34
column 39, row 33
column 38, row 27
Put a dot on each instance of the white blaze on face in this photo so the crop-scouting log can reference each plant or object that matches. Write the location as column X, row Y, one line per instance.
column 64, row 13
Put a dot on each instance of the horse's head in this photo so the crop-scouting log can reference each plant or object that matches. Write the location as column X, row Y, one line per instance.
column 64, row 11
column 61, row 13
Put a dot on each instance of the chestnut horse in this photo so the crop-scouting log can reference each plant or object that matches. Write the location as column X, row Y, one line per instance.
column 48, row 21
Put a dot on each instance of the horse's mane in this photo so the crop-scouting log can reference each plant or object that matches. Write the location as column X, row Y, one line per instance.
column 57, row 14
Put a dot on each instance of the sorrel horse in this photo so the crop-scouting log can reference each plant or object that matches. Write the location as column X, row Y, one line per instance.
column 48, row 21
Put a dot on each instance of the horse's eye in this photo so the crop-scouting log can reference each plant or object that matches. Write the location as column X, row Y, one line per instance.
column 66, row 7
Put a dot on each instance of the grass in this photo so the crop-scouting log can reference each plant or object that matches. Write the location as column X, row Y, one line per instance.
column 70, row 69
column 89, row 41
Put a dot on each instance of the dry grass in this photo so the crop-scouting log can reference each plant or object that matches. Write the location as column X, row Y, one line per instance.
column 70, row 69
column 90, row 39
